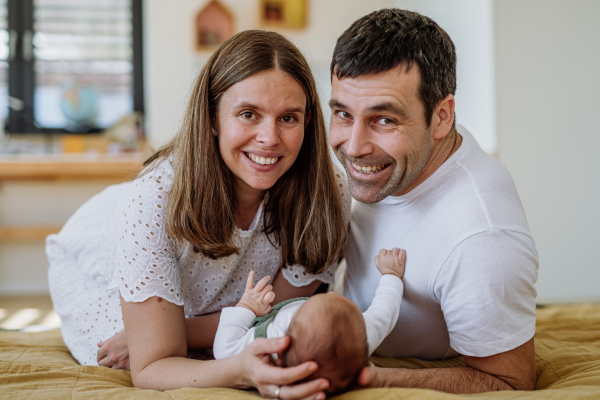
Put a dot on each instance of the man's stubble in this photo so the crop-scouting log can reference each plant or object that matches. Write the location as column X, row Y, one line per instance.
column 405, row 171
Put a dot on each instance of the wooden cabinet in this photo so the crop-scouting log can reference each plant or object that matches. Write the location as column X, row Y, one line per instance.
column 72, row 167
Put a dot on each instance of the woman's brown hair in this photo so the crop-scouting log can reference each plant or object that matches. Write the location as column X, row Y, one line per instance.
column 303, row 211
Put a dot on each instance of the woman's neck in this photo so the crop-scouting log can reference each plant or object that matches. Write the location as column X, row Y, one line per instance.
column 248, row 201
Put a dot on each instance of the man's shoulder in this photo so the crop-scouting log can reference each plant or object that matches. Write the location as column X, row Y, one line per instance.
column 476, row 181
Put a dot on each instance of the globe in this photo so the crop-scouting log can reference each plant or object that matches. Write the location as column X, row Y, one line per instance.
column 79, row 104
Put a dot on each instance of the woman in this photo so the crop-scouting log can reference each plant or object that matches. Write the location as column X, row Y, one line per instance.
column 247, row 184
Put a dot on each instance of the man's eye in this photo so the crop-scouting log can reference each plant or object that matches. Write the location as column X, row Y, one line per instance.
column 385, row 121
column 247, row 115
column 343, row 114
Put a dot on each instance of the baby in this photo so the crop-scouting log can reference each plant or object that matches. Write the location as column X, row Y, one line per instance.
column 326, row 328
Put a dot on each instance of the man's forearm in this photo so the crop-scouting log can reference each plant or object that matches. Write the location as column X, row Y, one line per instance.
column 459, row 380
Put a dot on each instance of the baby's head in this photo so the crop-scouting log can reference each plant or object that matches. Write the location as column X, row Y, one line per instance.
column 329, row 329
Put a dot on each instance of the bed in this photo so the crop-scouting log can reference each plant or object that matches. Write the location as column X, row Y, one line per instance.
column 567, row 346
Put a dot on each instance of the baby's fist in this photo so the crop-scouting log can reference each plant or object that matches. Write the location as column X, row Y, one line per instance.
column 391, row 262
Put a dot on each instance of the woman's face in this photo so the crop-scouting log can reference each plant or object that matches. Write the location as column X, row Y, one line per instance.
column 260, row 127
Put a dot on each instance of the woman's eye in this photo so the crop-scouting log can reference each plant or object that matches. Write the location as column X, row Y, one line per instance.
column 343, row 114
column 288, row 118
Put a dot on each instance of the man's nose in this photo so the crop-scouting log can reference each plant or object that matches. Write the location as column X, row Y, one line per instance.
column 359, row 143
column 268, row 134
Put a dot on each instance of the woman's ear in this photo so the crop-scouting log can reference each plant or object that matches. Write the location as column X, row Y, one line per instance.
column 214, row 131
column 307, row 119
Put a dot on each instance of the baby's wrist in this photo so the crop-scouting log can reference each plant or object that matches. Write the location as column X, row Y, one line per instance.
column 247, row 307
column 396, row 274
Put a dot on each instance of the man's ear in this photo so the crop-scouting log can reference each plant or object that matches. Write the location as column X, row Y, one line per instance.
column 443, row 117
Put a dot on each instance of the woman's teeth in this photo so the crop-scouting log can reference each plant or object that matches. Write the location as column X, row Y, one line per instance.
column 368, row 170
column 262, row 160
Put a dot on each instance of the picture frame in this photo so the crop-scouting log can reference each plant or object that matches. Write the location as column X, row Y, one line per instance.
column 286, row 14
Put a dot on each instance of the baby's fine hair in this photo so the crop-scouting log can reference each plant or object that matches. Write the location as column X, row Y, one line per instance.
column 334, row 336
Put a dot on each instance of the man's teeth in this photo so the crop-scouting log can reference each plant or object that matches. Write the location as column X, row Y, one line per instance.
column 368, row 170
column 262, row 160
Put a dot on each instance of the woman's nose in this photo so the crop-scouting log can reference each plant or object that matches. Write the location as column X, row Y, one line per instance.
column 268, row 134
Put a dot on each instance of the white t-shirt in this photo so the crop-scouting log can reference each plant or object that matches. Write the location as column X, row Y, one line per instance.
column 471, row 261
column 234, row 333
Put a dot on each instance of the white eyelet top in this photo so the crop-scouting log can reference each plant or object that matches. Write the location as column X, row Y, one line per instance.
column 149, row 262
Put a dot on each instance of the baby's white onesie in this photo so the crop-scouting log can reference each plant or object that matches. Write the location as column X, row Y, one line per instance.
column 234, row 332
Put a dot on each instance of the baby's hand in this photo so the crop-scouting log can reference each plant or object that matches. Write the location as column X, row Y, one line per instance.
column 391, row 262
column 257, row 299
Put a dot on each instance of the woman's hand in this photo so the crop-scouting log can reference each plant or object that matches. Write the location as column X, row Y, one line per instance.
column 114, row 353
column 257, row 371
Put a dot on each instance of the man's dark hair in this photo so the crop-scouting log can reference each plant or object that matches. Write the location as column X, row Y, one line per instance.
column 384, row 39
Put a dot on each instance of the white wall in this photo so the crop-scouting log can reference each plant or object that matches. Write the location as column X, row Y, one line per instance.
column 470, row 26
column 548, row 97
column 172, row 64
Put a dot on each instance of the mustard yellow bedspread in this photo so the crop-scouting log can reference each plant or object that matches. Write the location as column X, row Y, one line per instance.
column 567, row 346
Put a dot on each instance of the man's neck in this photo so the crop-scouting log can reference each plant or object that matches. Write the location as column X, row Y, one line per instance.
column 442, row 151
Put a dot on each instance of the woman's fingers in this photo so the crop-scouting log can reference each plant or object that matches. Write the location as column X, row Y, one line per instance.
column 101, row 354
column 250, row 281
column 289, row 375
column 269, row 346
column 314, row 389
column 105, row 362
column 261, row 284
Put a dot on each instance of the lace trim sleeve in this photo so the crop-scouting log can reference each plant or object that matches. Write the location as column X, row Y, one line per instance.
column 341, row 183
column 296, row 274
column 146, row 259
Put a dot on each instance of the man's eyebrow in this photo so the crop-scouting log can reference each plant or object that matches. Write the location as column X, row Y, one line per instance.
column 333, row 103
column 390, row 107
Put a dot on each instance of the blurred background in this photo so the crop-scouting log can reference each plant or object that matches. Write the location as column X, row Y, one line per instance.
column 87, row 87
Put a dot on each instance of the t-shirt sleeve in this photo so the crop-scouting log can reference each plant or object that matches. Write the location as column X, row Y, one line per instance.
column 296, row 274
column 147, row 256
column 487, row 294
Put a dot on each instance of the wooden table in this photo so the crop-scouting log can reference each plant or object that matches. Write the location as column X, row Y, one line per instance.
column 62, row 167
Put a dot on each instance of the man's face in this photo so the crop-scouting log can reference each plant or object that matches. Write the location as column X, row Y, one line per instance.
column 379, row 133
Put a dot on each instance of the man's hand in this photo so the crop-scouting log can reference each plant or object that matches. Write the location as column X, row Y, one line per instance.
column 114, row 353
column 257, row 299
column 391, row 262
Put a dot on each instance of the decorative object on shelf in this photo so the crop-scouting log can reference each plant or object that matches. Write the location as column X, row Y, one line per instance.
column 79, row 105
column 289, row 14
column 214, row 25
column 126, row 135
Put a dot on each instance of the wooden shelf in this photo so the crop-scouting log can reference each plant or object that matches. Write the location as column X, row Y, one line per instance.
column 70, row 166
column 28, row 233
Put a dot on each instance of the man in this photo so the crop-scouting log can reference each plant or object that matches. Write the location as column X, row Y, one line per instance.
column 424, row 185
